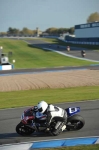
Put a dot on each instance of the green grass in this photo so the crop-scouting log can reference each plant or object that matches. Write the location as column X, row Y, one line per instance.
column 32, row 97
column 86, row 147
column 30, row 57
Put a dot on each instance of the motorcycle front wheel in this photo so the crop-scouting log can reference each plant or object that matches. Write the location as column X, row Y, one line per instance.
column 23, row 129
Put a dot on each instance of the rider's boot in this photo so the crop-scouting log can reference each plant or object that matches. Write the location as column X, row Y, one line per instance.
column 60, row 126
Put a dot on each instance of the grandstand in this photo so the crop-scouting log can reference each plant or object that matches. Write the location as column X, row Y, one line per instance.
column 85, row 34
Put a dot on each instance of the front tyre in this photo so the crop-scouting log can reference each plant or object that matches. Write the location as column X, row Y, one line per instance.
column 75, row 122
column 23, row 129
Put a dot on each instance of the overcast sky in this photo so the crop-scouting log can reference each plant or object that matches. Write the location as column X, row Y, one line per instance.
column 45, row 13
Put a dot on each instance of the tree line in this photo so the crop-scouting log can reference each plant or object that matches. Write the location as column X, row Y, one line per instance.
column 25, row 31
column 51, row 31
column 15, row 32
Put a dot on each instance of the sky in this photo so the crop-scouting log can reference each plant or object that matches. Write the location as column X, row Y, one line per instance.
column 45, row 14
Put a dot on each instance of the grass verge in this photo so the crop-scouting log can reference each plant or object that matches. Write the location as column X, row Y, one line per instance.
column 30, row 57
column 89, row 147
column 32, row 97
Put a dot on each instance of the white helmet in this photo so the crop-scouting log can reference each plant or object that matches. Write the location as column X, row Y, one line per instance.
column 42, row 106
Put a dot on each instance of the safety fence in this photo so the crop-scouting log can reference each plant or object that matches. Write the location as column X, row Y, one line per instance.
column 80, row 42
column 85, row 43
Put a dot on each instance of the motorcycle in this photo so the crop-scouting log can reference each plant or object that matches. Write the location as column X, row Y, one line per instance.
column 83, row 53
column 68, row 48
column 74, row 122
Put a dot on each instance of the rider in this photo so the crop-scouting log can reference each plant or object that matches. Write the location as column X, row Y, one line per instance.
column 53, row 113
column 83, row 53
column 39, row 116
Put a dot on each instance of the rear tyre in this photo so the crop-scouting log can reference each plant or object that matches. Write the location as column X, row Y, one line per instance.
column 24, row 130
column 75, row 122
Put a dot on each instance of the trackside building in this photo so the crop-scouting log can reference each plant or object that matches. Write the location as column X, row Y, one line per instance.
column 85, row 34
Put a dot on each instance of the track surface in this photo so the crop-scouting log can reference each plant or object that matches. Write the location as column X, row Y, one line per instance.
column 11, row 117
column 75, row 51
column 89, row 110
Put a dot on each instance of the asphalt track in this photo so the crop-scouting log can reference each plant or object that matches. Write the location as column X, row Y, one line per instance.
column 9, row 118
column 75, row 51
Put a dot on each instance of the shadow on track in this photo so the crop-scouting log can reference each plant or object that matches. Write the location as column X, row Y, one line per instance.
column 7, row 138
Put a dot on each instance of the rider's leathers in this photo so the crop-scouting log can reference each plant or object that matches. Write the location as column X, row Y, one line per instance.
column 53, row 113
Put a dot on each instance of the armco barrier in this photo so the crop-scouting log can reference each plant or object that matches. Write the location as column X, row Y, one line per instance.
column 52, row 143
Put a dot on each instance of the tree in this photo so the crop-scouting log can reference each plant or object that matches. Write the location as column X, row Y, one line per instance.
column 93, row 17
column 51, row 30
column 13, row 31
column 57, row 31
column 3, row 33
column 26, row 31
column 10, row 30
column 71, row 30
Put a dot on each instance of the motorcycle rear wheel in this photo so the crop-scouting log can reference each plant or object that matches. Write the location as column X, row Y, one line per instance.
column 76, row 122
column 23, row 129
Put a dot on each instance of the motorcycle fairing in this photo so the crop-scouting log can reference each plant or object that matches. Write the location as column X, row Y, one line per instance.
column 72, row 110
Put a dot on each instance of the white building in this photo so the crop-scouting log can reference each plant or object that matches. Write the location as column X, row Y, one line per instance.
column 89, row 30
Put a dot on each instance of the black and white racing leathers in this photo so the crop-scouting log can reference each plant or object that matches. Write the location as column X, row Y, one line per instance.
column 59, row 115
